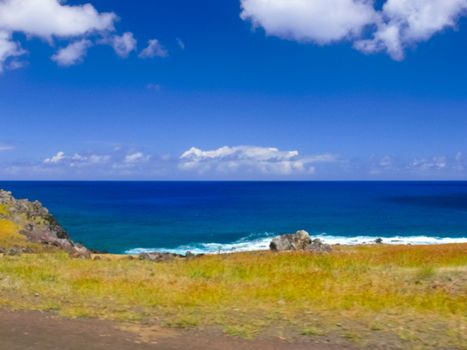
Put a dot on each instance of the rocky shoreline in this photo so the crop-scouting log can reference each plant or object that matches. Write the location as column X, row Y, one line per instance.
column 39, row 226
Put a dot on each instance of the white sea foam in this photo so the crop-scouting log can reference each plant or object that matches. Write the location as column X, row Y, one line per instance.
column 261, row 242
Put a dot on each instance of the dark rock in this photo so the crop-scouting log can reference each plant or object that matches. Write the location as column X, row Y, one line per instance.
column 379, row 241
column 300, row 240
column 296, row 241
column 318, row 246
column 81, row 252
column 158, row 257
column 14, row 252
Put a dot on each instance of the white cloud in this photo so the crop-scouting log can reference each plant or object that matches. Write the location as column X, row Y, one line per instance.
column 433, row 163
column 399, row 24
column 116, row 160
column 72, row 54
column 181, row 43
column 319, row 21
column 382, row 165
column 154, row 49
column 250, row 159
column 8, row 48
column 231, row 162
column 136, row 157
column 16, row 64
column 76, row 160
column 79, row 26
column 49, row 18
column 407, row 22
column 124, row 44
column 57, row 158
column 5, row 148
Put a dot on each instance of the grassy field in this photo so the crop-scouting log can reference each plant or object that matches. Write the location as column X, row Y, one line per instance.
column 414, row 296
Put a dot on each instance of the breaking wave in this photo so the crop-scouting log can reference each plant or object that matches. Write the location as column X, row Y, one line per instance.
column 257, row 242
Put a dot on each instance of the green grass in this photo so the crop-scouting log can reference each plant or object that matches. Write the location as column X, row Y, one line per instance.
column 417, row 294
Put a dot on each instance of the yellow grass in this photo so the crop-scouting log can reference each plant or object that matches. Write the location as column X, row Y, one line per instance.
column 3, row 210
column 9, row 235
column 416, row 293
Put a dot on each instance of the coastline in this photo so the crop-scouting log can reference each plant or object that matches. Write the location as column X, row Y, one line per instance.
column 359, row 296
column 117, row 217
column 262, row 244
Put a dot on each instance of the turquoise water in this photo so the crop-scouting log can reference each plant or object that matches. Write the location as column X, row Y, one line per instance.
column 233, row 216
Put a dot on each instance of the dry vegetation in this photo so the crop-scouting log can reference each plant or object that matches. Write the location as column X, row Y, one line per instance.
column 414, row 296
column 9, row 234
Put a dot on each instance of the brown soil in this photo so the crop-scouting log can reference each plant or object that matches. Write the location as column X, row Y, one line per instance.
column 43, row 331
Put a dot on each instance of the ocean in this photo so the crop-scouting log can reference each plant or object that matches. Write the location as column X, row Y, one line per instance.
column 211, row 217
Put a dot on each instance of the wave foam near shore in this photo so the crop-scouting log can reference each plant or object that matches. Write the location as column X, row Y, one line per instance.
column 255, row 243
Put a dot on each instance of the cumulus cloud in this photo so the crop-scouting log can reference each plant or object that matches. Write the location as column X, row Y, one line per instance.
column 8, row 49
column 250, row 159
column 136, row 157
column 73, row 53
column 117, row 159
column 49, row 18
column 406, row 22
column 154, row 49
column 399, row 24
column 320, row 21
column 231, row 162
column 117, row 163
column 79, row 26
column 57, row 158
column 433, row 163
column 76, row 159
column 124, row 44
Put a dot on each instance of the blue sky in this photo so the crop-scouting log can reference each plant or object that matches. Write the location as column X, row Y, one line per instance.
column 251, row 89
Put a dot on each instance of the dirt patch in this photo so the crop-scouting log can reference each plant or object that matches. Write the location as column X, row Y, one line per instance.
column 43, row 331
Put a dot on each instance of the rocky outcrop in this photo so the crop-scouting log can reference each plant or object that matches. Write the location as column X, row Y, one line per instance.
column 158, row 257
column 164, row 257
column 38, row 225
column 299, row 241
column 15, row 251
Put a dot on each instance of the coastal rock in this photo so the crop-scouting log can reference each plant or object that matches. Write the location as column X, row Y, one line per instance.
column 15, row 251
column 158, row 257
column 164, row 257
column 38, row 225
column 300, row 240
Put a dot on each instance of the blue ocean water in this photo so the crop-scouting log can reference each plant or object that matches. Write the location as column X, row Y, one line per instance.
column 232, row 216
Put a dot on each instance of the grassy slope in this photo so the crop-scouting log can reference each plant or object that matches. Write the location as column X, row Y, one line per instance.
column 417, row 295
column 9, row 235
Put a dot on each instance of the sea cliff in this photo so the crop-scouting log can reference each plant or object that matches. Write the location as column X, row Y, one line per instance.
column 34, row 222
